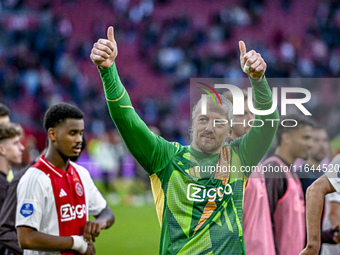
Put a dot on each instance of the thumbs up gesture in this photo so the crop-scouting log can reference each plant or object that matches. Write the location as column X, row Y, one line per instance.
column 251, row 62
column 105, row 51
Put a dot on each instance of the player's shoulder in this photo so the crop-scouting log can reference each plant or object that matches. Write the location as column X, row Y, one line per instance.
column 336, row 159
column 34, row 173
column 176, row 144
column 179, row 147
column 333, row 169
column 273, row 161
column 34, row 177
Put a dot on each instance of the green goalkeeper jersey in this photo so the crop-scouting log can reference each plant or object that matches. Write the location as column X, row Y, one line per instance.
column 198, row 197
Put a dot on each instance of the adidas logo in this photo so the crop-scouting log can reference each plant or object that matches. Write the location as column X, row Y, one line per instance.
column 62, row 193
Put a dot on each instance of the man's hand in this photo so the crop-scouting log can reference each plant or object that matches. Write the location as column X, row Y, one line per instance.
column 336, row 235
column 92, row 229
column 90, row 249
column 105, row 51
column 309, row 251
column 251, row 62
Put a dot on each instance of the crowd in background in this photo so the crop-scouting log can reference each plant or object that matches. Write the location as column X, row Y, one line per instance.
column 44, row 59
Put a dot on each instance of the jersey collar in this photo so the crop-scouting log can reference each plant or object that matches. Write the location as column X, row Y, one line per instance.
column 57, row 171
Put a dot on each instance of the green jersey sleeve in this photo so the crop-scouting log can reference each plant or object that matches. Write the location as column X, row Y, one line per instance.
column 254, row 145
column 150, row 150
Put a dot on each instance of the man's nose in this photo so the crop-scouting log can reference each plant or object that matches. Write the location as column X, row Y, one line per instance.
column 210, row 125
column 79, row 138
column 310, row 143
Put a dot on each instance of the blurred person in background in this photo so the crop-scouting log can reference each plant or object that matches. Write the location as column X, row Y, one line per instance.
column 313, row 168
column 258, row 233
column 10, row 153
column 284, row 190
column 107, row 152
column 4, row 113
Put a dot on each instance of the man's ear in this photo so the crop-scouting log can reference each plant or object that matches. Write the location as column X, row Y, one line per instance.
column 2, row 149
column 286, row 138
column 230, row 131
column 52, row 135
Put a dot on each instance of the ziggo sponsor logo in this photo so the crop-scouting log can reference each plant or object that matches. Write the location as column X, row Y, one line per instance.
column 199, row 193
column 69, row 212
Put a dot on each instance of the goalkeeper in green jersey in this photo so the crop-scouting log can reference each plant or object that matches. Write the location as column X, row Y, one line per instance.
column 199, row 212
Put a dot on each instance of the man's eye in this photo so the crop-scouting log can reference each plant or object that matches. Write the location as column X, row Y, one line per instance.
column 219, row 123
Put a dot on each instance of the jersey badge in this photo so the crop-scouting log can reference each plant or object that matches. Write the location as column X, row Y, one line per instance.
column 26, row 210
column 79, row 189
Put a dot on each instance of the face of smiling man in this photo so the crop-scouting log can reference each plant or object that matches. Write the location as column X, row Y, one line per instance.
column 209, row 133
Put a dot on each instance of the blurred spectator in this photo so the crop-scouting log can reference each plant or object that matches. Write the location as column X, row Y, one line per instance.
column 4, row 113
column 285, row 195
column 312, row 169
column 107, row 152
column 10, row 153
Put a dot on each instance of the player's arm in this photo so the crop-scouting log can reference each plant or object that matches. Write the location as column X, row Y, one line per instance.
column 150, row 150
column 104, row 220
column 32, row 239
column 257, row 141
column 314, row 205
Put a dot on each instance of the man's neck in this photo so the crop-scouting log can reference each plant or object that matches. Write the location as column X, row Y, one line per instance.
column 4, row 166
column 233, row 137
column 313, row 162
column 285, row 155
column 56, row 159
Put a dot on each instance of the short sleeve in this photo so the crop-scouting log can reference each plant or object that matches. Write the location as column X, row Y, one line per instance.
column 333, row 197
column 333, row 173
column 31, row 193
column 96, row 202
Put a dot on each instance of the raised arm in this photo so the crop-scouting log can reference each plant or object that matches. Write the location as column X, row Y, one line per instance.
column 150, row 150
column 254, row 145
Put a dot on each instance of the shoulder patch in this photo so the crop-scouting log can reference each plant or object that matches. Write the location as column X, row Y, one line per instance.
column 26, row 210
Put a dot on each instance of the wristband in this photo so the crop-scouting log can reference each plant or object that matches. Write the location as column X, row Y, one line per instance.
column 79, row 244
